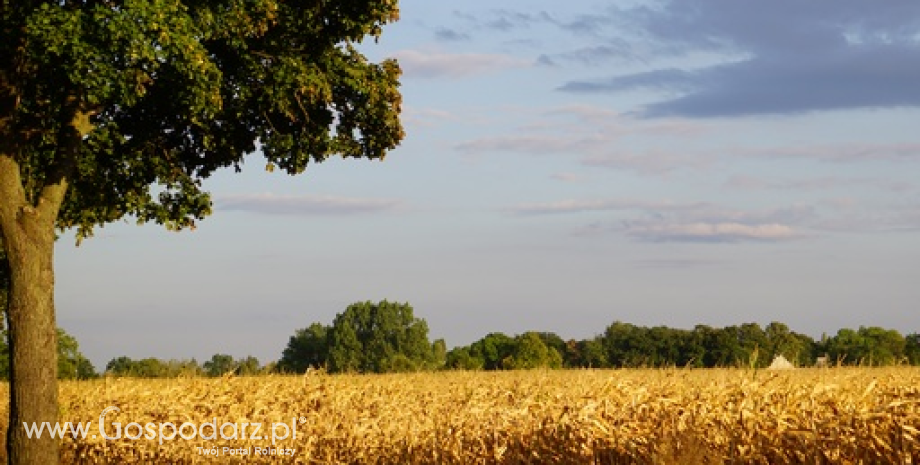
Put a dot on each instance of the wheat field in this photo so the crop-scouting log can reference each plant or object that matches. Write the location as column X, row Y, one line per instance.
column 837, row 415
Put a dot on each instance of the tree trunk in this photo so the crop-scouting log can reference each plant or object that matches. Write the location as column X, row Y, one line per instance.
column 28, row 239
column 33, row 350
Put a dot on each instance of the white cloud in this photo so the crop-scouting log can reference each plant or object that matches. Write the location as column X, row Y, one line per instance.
column 568, row 177
column 597, row 205
column 710, row 232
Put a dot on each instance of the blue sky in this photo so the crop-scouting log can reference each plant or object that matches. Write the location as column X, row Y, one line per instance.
column 566, row 165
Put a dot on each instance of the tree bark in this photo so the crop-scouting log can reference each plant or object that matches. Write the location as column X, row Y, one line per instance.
column 33, row 353
column 28, row 233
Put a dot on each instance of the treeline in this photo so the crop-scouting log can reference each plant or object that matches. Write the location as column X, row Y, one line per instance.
column 386, row 337
column 623, row 345
column 218, row 365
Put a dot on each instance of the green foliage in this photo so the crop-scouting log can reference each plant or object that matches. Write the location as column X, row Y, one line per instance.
column 378, row 338
column 219, row 364
column 459, row 358
column 248, row 366
column 72, row 364
column 438, row 354
column 308, row 347
column 222, row 364
column 588, row 353
column 152, row 368
column 530, row 351
column 494, row 349
column 144, row 368
column 912, row 348
column 119, row 97
column 871, row 346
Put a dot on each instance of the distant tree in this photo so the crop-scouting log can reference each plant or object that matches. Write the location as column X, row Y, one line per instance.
column 438, row 354
column 726, row 349
column 120, row 366
column 150, row 368
column 586, row 353
column 754, row 346
column 664, row 345
column 379, row 337
column 846, row 347
column 186, row 368
column 530, row 351
column 145, row 368
column 883, row 346
column 72, row 364
column 219, row 365
column 459, row 358
column 248, row 366
column 912, row 348
column 308, row 347
column 593, row 354
column 552, row 340
column 628, row 345
column 493, row 350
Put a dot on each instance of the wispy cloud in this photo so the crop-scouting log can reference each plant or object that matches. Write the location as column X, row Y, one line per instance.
column 596, row 205
column 651, row 161
column 446, row 34
column 669, row 221
column 710, row 232
column 423, row 64
column 594, row 136
column 821, row 183
column 302, row 205
column 568, row 177
column 675, row 263
column 886, row 152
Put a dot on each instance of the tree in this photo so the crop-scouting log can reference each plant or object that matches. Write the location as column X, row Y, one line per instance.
column 912, row 348
column 248, row 366
column 531, row 351
column 493, row 350
column 220, row 364
column 884, row 346
column 181, row 367
column 590, row 353
column 72, row 364
column 114, row 109
column 379, row 338
column 438, row 354
column 308, row 347
column 459, row 358
column 847, row 347
column 120, row 366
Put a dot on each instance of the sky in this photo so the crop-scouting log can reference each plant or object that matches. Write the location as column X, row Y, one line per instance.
column 566, row 165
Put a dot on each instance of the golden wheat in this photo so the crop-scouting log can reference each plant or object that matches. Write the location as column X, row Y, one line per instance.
column 605, row 416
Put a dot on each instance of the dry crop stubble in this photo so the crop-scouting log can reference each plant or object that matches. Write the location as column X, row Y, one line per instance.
column 840, row 415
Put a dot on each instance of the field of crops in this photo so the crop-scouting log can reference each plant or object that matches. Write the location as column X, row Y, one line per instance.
column 838, row 415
